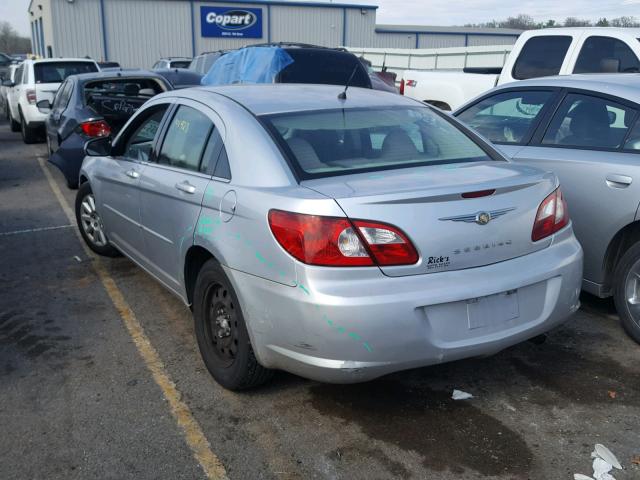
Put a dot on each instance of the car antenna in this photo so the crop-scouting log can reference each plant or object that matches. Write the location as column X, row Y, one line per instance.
column 343, row 95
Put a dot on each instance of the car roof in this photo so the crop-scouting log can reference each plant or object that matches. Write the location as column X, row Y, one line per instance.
column 262, row 99
column 61, row 59
column 115, row 74
column 624, row 85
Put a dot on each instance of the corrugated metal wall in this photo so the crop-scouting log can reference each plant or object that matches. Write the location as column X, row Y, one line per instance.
column 141, row 31
column 319, row 26
column 138, row 32
column 77, row 30
column 481, row 40
column 440, row 41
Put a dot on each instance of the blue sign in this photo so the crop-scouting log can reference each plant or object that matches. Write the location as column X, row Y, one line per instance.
column 231, row 22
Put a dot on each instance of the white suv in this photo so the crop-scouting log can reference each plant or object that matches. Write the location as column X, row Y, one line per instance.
column 37, row 80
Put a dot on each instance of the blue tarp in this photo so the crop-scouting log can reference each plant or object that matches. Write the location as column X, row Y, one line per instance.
column 248, row 65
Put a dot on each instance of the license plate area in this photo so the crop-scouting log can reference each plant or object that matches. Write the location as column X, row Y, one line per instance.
column 492, row 310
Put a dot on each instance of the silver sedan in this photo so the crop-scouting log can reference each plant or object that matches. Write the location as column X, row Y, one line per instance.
column 337, row 236
column 586, row 129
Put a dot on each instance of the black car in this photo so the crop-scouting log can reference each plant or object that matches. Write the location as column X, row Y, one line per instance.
column 93, row 105
column 180, row 77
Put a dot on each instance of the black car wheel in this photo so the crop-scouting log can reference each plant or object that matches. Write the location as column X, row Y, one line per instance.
column 627, row 291
column 221, row 332
column 29, row 135
column 90, row 223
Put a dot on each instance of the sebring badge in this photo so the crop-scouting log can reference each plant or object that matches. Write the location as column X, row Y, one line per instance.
column 481, row 218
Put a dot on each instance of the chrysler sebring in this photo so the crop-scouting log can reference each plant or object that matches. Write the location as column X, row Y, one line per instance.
column 337, row 235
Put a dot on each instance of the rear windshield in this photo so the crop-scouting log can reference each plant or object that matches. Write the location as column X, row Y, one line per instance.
column 328, row 67
column 57, row 72
column 180, row 63
column 334, row 142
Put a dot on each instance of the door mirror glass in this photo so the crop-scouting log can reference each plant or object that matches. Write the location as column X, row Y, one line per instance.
column 44, row 106
column 99, row 147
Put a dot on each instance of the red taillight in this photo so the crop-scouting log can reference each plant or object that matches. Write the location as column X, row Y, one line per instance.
column 402, row 87
column 31, row 96
column 333, row 241
column 99, row 128
column 552, row 216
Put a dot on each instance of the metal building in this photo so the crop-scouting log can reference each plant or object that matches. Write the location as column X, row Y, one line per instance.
column 135, row 33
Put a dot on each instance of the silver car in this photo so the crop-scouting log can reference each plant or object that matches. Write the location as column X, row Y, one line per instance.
column 337, row 236
column 586, row 129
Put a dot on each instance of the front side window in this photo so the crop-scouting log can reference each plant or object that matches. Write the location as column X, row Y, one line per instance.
column 18, row 75
column 57, row 72
column 584, row 121
column 332, row 142
column 507, row 117
column 541, row 57
column 186, row 139
column 139, row 142
column 606, row 55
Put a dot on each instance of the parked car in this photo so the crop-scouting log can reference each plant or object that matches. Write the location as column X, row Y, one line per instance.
column 337, row 236
column 93, row 105
column 105, row 65
column 4, row 89
column 585, row 128
column 172, row 62
column 202, row 63
column 180, row 77
column 537, row 53
column 5, row 61
column 288, row 63
column 37, row 80
column 383, row 80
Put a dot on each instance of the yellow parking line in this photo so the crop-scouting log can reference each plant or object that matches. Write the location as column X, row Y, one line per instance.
column 193, row 434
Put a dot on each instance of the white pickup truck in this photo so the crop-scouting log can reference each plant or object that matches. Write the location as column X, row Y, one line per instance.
column 537, row 53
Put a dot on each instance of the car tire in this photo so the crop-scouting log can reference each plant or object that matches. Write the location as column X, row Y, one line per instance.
column 627, row 291
column 221, row 332
column 29, row 135
column 15, row 126
column 90, row 223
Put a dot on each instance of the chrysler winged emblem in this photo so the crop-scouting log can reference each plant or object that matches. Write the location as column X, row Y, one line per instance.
column 481, row 218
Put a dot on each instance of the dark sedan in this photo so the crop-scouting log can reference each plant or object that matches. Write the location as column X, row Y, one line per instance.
column 93, row 105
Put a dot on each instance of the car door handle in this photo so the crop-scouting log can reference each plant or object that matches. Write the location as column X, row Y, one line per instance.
column 132, row 173
column 186, row 187
column 618, row 181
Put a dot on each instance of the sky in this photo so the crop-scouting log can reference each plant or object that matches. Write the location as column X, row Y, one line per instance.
column 435, row 12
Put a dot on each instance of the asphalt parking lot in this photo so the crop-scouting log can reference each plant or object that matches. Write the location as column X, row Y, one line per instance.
column 83, row 394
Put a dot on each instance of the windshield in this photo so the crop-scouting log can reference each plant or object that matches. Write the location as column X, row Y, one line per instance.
column 333, row 142
column 57, row 72
column 180, row 63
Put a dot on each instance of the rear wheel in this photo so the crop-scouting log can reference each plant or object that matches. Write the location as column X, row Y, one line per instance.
column 627, row 291
column 90, row 223
column 221, row 332
column 29, row 135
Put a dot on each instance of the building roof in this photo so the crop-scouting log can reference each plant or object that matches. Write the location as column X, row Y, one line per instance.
column 447, row 30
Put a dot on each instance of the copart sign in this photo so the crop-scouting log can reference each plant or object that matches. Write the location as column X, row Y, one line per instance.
column 231, row 22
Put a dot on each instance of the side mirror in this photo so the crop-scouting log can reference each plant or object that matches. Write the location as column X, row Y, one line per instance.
column 612, row 117
column 98, row 147
column 7, row 83
column 44, row 106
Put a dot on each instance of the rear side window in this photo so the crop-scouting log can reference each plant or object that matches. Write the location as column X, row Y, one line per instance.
column 62, row 97
column 506, row 117
column 139, row 136
column 57, row 72
column 328, row 67
column 606, row 55
column 18, row 75
column 333, row 142
column 584, row 121
column 541, row 56
column 186, row 139
column 633, row 140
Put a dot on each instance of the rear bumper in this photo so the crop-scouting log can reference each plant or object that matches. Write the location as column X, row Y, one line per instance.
column 32, row 116
column 358, row 328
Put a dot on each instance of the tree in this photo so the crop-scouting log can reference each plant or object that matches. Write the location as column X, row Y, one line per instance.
column 11, row 41
column 603, row 22
column 576, row 22
column 520, row 22
column 627, row 22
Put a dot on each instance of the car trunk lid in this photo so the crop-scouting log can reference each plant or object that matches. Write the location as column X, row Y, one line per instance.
column 446, row 228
